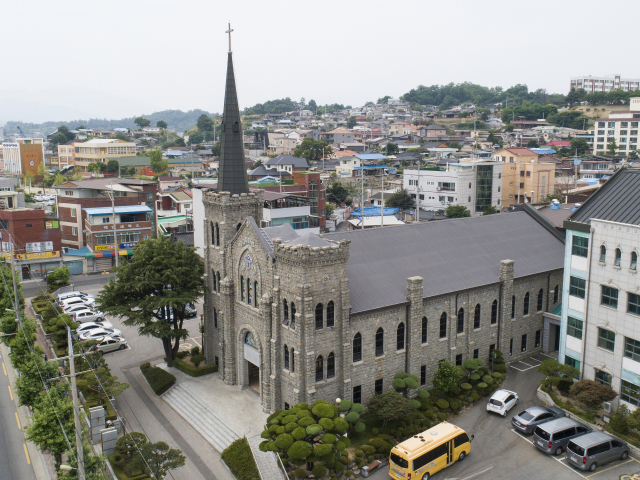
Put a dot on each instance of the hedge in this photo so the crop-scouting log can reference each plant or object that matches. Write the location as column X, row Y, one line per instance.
column 159, row 380
column 240, row 461
column 110, row 413
column 193, row 371
column 585, row 416
column 120, row 474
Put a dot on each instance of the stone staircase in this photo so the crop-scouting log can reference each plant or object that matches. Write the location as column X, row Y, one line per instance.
column 266, row 461
column 201, row 417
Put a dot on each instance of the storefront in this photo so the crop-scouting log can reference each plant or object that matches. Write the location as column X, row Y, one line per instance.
column 35, row 265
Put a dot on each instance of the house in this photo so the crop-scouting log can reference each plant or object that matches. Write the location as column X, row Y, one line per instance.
column 164, row 183
column 287, row 163
column 621, row 126
column 337, row 136
column 429, row 131
column 174, row 202
column 101, row 150
column 525, row 178
column 282, row 145
column 151, row 129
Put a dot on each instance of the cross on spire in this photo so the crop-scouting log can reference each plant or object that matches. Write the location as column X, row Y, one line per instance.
column 229, row 32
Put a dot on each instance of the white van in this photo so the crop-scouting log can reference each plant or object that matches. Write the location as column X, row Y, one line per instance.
column 77, row 301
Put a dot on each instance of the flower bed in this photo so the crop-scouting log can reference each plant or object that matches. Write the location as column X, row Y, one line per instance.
column 239, row 458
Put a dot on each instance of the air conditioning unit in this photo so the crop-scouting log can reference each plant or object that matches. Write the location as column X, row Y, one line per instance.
column 439, row 188
column 606, row 406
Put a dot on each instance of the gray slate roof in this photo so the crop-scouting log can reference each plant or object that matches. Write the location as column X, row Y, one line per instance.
column 616, row 201
column 287, row 159
column 450, row 255
column 262, row 170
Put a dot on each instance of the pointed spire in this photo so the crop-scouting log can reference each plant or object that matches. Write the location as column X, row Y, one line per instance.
column 232, row 172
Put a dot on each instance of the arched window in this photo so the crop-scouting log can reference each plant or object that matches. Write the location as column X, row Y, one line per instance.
column 424, row 329
column 293, row 360
column 286, row 357
column 243, row 286
column 249, row 292
column 357, row 347
column 330, row 314
column 218, row 277
column 476, row 317
column 257, row 292
column 513, row 306
column 319, row 315
column 618, row 259
column 293, row 315
column 238, row 226
column 603, row 254
column 634, row 261
column 215, row 283
column 319, row 369
column 285, row 312
column 443, row 325
column 379, row 342
column 540, row 299
column 400, row 337
column 525, row 304
column 556, row 291
column 494, row 312
column 331, row 366
column 460, row 328
column 215, row 318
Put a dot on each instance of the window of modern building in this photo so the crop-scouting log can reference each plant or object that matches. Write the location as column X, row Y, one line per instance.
column 556, row 292
column 630, row 393
column 574, row 327
column 379, row 342
column 286, row 357
column 378, row 387
column 606, row 339
column 443, row 325
column 424, row 330
column 494, row 312
column 330, row 314
column 633, row 265
column 331, row 366
column 460, row 326
column 459, row 359
column 577, row 287
column 357, row 347
column 603, row 378
column 603, row 254
column 357, row 394
column 573, row 363
column 513, row 307
column 609, row 297
column 580, row 246
column 632, row 349
column 618, row 259
column 400, row 337
column 319, row 369
column 476, row 316
column 319, row 317
column 538, row 336
column 423, row 375
column 525, row 305
column 540, row 299
column 633, row 303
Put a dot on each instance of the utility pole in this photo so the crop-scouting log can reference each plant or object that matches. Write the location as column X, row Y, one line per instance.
column 382, row 200
column 76, row 416
column 518, row 179
column 15, row 289
column 362, row 200
column 115, row 231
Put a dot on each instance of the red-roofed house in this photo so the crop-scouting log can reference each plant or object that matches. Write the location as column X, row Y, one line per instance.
column 560, row 143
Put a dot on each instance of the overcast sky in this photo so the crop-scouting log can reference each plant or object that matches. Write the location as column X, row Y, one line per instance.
column 63, row 60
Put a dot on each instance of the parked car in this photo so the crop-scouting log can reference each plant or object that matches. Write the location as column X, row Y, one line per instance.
column 87, row 315
column 527, row 420
column 63, row 296
column 596, row 448
column 109, row 344
column 85, row 327
column 552, row 437
column 190, row 311
column 502, row 401
column 76, row 308
column 98, row 333
column 77, row 301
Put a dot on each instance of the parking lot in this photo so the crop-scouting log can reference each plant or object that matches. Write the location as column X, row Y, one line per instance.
column 530, row 363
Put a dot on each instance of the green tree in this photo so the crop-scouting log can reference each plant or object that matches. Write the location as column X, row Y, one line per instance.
column 330, row 208
column 580, row 145
column 196, row 138
column 113, row 166
column 612, row 146
column 390, row 406
column 122, row 136
column 159, row 458
column 339, row 192
column 142, row 122
column 161, row 276
column 400, row 199
column 58, row 278
column 456, row 211
column 100, row 380
column 205, row 123
column 490, row 210
column 446, row 376
column 256, row 164
column 58, row 139
column 557, row 195
column 552, row 368
column 63, row 129
column 383, row 100
column 533, row 144
column 491, row 138
column 312, row 149
column 455, row 145
column 33, row 371
column 392, row 148
column 633, row 155
column 58, row 179
column 484, row 116
column 158, row 164
column 592, row 393
column 28, row 178
column 351, row 122
column 161, row 124
column 215, row 150
column 94, row 167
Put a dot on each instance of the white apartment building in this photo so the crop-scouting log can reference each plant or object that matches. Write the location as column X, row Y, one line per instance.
column 65, row 156
column 606, row 83
column 474, row 185
column 99, row 149
column 600, row 319
column 622, row 125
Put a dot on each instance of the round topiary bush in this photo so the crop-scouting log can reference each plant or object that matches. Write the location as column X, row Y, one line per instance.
column 359, row 453
column 323, row 410
column 280, row 429
column 488, row 379
column 314, row 429
column 323, row 449
column 415, row 403
column 348, row 473
column 442, row 403
column 345, row 405
column 502, row 368
column 273, row 428
column 319, row 471
column 455, row 405
column 398, row 384
column 465, row 386
column 375, row 432
column 482, row 385
column 443, row 416
column 306, row 421
column 339, row 468
column 496, row 375
column 300, row 473
column 340, row 445
column 329, row 438
column 303, row 413
column 484, row 370
column 289, row 419
column 423, row 394
column 299, row 433
column 401, row 375
column 469, row 399
column 357, row 407
column 340, row 426
column 344, row 460
column 284, row 441
column 299, row 450
column 274, row 421
column 352, row 417
column 326, row 423
column 302, row 405
column 455, row 390
column 474, row 376
column 475, row 396
column 263, row 446
column 265, row 434
column 290, row 427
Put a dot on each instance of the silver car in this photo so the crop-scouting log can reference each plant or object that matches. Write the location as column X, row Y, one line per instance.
column 552, row 437
column 109, row 344
column 84, row 315
column 527, row 420
column 596, row 448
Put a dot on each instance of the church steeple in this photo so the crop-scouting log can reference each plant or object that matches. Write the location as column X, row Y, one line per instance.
column 232, row 172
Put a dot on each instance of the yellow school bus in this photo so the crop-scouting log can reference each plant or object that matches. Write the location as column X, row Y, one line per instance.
column 424, row 454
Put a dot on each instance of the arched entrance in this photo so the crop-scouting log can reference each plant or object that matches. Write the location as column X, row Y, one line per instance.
column 250, row 365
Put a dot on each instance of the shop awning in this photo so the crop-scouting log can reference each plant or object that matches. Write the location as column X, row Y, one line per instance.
column 121, row 253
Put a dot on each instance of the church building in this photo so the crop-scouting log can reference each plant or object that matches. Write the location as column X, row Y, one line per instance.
column 322, row 316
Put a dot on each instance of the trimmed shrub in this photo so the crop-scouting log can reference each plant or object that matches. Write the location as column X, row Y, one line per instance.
column 319, row 471
column 502, row 368
column 302, row 405
column 339, row 468
column 303, row 413
column 300, row 450
column 345, row 405
column 306, row 421
column 284, row 441
column 398, row 384
column 181, row 354
column 195, row 351
column 326, row 423
column 299, row 433
column 455, row 390
column 329, row 438
column 300, row 473
column 375, row 432
column 348, row 473
column 340, row 426
column 194, row 371
column 401, row 375
column 265, row 434
column 352, row 417
column 340, row 445
column 323, row 449
column 411, row 382
column 357, row 407
column 487, row 379
column 360, row 453
column 442, row 403
column 289, row 419
column 346, row 441
column 474, row 376
column 482, row 385
column 280, row 430
column 423, row 394
column 323, row 410
column 290, row 427
column 465, row 386
column 159, row 380
column 496, row 375
column 443, row 416
column 455, row 405
column 314, row 429
column 344, row 460
column 240, row 461
column 415, row 403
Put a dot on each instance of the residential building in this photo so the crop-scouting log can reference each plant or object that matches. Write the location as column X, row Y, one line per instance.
column 287, row 164
column 599, row 327
column 174, row 202
column 475, row 186
column 429, row 131
column 347, row 166
column 306, row 317
column 621, row 126
column 282, row 145
column 283, row 208
column 101, row 150
column 338, row 136
column 23, row 155
column 142, row 164
column 165, row 183
column 597, row 168
column 525, row 178
column 606, row 83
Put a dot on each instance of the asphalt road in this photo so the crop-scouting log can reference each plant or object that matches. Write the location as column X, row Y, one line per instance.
column 14, row 460
column 499, row 453
column 31, row 288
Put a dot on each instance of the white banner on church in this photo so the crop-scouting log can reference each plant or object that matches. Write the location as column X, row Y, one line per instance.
column 251, row 354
